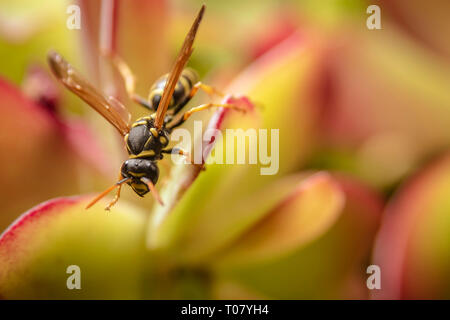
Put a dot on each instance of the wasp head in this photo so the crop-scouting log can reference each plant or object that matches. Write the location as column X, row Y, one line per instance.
column 136, row 170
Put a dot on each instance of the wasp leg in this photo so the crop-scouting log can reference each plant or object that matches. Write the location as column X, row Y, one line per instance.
column 186, row 154
column 202, row 107
column 129, row 80
column 199, row 85
column 208, row 89
column 179, row 151
column 206, row 106
column 117, row 196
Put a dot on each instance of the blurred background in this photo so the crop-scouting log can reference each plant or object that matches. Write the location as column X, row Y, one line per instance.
column 369, row 109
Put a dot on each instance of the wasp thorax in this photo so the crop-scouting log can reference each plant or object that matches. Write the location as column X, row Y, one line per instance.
column 145, row 141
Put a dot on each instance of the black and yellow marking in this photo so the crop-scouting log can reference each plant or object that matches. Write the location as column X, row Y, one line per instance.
column 182, row 91
column 137, row 175
column 143, row 154
column 140, row 188
column 190, row 75
column 163, row 140
column 139, row 123
column 145, row 118
column 126, row 142
column 154, row 132
column 147, row 143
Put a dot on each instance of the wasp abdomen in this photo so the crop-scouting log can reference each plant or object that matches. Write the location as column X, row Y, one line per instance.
column 182, row 90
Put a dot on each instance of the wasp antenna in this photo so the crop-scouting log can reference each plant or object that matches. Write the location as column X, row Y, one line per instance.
column 153, row 190
column 104, row 193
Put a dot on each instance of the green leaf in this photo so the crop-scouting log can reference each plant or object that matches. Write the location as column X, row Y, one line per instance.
column 307, row 212
column 108, row 247
column 332, row 265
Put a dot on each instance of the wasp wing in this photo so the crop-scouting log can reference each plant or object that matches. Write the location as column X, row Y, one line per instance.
column 111, row 109
column 175, row 73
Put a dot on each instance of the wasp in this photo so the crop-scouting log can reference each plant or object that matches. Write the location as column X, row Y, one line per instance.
column 146, row 139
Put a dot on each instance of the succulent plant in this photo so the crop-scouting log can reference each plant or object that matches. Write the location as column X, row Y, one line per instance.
column 363, row 166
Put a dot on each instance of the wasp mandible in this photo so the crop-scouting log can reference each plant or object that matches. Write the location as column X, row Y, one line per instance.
column 147, row 138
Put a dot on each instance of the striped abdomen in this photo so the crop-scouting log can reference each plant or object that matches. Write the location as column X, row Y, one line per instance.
column 183, row 88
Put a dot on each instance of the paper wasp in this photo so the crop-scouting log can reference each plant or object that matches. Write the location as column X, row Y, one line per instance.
column 148, row 137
